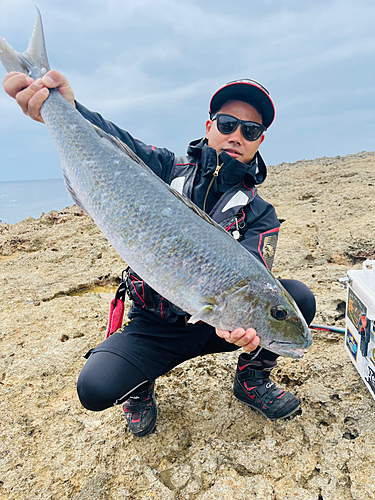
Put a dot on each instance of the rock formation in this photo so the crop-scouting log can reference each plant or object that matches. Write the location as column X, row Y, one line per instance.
column 56, row 275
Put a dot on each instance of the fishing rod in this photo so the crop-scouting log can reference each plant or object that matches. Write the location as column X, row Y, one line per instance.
column 327, row 328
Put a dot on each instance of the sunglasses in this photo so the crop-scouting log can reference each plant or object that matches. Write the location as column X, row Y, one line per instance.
column 226, row 124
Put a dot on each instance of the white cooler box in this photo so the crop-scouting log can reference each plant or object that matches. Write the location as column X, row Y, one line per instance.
column 360, row 321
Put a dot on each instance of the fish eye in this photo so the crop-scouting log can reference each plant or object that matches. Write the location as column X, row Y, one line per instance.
column 279, row 313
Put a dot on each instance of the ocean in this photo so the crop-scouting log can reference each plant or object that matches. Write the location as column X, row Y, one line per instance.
column 22, row 199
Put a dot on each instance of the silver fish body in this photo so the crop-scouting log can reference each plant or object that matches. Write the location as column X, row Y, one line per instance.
column 187, row 258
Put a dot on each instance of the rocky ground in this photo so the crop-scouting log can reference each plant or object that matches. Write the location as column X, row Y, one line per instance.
column 55, row 276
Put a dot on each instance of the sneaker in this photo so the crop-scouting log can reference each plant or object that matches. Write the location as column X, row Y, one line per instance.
column 253, row 387
column 141, row 411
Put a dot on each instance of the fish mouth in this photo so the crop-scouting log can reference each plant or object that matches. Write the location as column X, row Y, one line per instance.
column 282, row 348
column 294, row 353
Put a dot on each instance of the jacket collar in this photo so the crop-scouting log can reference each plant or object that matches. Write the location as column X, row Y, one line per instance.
column 233, row 171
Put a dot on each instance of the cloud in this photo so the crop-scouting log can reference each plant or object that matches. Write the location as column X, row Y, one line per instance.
column 153, row 66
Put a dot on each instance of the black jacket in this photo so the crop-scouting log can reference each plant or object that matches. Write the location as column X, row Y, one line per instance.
column 256, row 222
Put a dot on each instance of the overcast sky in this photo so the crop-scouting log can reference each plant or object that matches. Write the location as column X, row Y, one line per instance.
column 151, row 66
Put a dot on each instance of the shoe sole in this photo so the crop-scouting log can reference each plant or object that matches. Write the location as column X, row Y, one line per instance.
column 264, row 415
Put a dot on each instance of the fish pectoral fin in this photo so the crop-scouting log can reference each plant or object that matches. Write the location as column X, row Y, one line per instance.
column 202, row 314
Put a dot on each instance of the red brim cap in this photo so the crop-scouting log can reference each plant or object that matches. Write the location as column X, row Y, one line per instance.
column 245, row 90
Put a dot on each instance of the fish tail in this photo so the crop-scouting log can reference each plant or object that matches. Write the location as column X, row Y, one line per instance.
column 32, row 62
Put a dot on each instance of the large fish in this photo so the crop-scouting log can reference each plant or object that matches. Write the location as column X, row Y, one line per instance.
column 166, row 239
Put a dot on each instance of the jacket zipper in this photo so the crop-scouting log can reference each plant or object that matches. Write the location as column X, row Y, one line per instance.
column 215, row 174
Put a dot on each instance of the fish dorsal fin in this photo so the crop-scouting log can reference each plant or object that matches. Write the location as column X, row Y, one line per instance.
column 197, row 210
column 119, row 144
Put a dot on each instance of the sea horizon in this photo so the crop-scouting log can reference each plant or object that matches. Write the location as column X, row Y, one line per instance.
column 32, row 198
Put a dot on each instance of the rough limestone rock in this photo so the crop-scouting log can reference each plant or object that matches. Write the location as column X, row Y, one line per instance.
column 56, row 274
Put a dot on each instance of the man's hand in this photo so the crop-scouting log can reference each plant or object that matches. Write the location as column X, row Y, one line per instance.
column 31, row 94
column 247, row 339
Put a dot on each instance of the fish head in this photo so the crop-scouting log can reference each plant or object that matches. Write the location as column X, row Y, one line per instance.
column 265, row 305
column 284, row 329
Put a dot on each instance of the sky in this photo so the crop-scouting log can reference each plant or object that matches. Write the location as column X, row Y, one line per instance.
column 151, row 67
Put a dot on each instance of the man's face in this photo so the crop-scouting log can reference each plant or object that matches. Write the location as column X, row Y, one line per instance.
column 235, row 144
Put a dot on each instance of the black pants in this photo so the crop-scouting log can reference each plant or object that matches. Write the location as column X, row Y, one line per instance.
column 148, row 347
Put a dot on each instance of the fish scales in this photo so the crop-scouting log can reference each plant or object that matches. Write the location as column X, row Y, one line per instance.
column 163, row 239
column 190, row 261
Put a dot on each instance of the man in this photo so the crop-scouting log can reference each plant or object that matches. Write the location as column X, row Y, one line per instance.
column 219, row 175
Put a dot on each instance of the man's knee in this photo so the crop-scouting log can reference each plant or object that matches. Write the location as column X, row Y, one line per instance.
column 91, row 393
column 106, row 379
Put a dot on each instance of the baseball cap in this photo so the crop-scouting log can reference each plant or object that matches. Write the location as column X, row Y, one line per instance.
column 245, row 90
